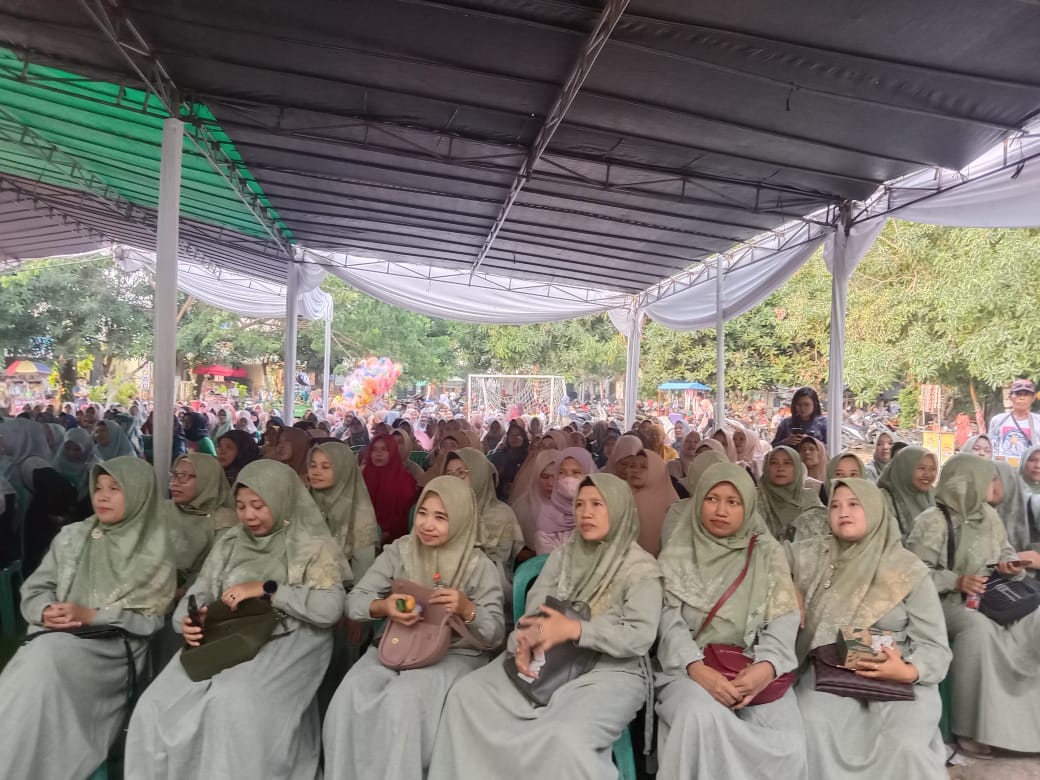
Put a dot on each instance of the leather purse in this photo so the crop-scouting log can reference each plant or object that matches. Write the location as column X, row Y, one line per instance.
column 832, row 677
column 425, row 642
column 563, row 663
column 230, row 637
column 730, row 660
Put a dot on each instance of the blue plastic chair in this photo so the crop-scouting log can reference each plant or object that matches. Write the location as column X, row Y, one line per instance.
column 8, row 619
column 523, row 577
column 101, row 773
column 944, row 719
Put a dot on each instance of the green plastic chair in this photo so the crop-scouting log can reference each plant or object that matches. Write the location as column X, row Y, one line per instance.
column 8, row 619
column 101, row 773
column 417, row 456
column 944, row 719
column 526, row 573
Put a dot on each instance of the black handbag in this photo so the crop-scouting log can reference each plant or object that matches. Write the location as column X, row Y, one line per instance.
column 563, row 663
column 1005, row 600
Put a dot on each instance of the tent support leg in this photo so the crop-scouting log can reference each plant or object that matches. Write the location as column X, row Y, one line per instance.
column 836, row 362
column 635, row 338
column 328, row 367
column 164, row 310
column 720, row 344
column 292, row 284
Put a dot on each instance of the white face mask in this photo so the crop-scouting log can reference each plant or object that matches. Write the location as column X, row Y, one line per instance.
column 568, row 486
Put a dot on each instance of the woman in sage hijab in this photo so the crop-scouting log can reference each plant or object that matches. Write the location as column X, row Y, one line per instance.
column 499, row 529
column 381, row 723
column 995, row 675
column 65, row 696
column 76, row 459
column 1029, row 474
column 708, row 727
column 860, row 575
column 1010, row 500
column 258, row 718
column 907, row 484
column 677, row 512
column 782, row 494
column 111, row 440
column 199, row 508
column 815, row 520
column 489, row 729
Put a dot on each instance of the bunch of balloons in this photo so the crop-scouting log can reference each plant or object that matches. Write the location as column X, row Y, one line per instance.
column 371, row 380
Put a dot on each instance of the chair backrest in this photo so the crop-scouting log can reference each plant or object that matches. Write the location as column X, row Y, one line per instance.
column 526, row 573
column 417, row 456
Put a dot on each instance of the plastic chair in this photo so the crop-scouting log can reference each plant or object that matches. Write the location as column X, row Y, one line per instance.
column 8, row 619
column 523, row 577
column 417, row 456
column 101, row 773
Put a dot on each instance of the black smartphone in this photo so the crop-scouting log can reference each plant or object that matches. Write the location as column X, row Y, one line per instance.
column 193, row 611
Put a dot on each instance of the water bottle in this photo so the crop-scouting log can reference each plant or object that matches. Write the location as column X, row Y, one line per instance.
column 437, row 584
column 972, row 601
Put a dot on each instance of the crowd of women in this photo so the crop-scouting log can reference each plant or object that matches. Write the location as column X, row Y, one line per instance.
column 704, row 583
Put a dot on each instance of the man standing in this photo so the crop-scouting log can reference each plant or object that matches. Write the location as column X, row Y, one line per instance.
column 1012, row 433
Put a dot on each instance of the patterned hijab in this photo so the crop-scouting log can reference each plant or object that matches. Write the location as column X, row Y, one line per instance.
column 459, row 556
column 780, row 505
column 853, row 583
column 346, row 507
column 898, row 481
column 125, row 564
column 597, row 573
column 699, row 566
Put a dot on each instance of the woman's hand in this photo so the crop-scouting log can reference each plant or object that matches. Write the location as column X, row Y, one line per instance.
column 193, row 634
column 64, row 615
column 454, row 600
column 752, row 680
column 970, row 584
column 388, row 608
column 890, row 666
column 715, row 683
column 236, row 594
column 793, row 440
column 1031, row 557
column 1011, row 568
column 523, row 654
column 551, row 628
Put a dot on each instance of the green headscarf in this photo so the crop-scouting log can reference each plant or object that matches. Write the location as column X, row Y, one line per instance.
column 346, row 505
column 597, row 573
column 125, row 564
column 498, row 523
column 898, row 481
column 978, row 530
column 853, row 583
column 297, row 551
column 458, row 557
column 698, row 567
column 1013, row 508
column 780, row 505
column 700, row 464
column 194, row 526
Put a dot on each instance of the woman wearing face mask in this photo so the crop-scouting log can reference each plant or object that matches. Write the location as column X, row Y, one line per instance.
column 257, row 718
column 556, row 518
column 860, row 575
column 489, row 729
column 995, row 675
column 782, row 495
column 382, row 723
column 66, row 695
column 907, row 484
column 708, row 725
column 882, row 456
column 532, row 490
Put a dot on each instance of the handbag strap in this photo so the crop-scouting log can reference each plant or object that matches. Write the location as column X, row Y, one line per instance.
column 731, row 589
column 951, row 543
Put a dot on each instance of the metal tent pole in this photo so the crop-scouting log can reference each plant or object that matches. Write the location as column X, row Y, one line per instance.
column 720, row 343
column 328, row 361
column 836, row 362
column 164, row 310
column 292, row 283
column 635, row 338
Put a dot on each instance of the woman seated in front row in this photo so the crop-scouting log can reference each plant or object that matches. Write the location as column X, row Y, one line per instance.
column 257, row 718
column 709, row 726
column 489, row 729
column 65, row 696
column 861, row 576
column 381, row 723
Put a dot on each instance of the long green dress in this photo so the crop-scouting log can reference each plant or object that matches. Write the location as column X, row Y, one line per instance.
column 995, row 674
column 259, row 718
column 489, row 730
column 64, row 697
column 697, row 736
column 381, row 723
column 874, row 582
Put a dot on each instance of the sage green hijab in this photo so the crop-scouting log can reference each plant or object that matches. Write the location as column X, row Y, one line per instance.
column 781, row 505
column 346, row 505
column 194, row 526
column 898, row 481
column 125, row 564
column 698, row 567
column 457, row 559
column 498, row 522
column 700, row 464
column 853, row 583
column 597, row 573
column 297, row 551
column 978, row 530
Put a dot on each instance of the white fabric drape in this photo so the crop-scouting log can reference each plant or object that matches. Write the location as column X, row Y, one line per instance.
column 629, row 321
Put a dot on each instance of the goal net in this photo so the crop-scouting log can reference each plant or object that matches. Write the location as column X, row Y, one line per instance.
column 511, row 395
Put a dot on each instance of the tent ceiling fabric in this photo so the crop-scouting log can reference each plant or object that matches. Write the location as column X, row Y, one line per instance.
column 395, row 129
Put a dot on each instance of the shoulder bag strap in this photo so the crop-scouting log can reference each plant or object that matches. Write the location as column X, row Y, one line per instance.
column 731, row 589
column 1029, row 439
column 951, row 543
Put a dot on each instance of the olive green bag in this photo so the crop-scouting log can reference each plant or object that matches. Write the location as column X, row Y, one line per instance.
column 230, row 637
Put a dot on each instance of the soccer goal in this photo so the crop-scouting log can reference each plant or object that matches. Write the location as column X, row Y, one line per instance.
column 510, row 395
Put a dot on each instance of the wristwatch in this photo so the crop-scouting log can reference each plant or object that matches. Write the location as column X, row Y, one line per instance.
column 270, row 588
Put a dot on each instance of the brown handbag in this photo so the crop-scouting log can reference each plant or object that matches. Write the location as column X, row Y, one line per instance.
column 425, row 642
column 832, row 677
column 730, row 660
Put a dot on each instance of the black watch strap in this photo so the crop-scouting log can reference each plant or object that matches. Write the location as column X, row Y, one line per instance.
column 270, row 588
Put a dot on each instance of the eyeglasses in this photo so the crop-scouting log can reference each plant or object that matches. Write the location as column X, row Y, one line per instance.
column 181, row 477
column 460, row 473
